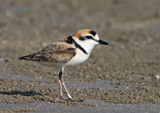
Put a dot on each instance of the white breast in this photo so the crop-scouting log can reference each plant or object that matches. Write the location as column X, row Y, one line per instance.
column 78, row 58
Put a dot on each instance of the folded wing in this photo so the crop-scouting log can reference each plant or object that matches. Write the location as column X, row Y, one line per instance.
column 58, row 52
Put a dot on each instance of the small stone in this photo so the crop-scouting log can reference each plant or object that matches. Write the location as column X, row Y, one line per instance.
column 157, row 77
column 2, row 59
column 44, row 44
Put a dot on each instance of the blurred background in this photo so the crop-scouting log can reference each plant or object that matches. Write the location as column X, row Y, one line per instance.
column 34, row 22
column 132, row 26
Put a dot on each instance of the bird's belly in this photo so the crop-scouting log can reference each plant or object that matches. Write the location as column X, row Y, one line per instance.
column 78, row 58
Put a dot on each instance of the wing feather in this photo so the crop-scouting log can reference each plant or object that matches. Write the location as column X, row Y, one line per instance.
column 58, row 52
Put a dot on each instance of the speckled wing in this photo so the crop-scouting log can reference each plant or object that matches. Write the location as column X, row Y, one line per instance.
column 58, row 52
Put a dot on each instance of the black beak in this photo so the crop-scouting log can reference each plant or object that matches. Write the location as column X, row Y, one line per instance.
column 103, row 42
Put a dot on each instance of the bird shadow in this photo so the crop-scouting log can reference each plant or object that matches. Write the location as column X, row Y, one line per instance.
column 18, row 92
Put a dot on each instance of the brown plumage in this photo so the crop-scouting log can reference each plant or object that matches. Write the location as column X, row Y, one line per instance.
column 82, row 32
column 57, row 52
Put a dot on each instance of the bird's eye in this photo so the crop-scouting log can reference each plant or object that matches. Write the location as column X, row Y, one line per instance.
column 89, row 37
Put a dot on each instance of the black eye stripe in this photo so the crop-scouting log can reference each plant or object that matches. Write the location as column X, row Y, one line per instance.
column 89, row 37
column 85, row 37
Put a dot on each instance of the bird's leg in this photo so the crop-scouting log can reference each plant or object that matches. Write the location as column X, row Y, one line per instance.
column 68, row 95
column 62, row 84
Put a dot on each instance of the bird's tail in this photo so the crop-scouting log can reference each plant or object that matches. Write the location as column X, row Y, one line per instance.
column 30, row 57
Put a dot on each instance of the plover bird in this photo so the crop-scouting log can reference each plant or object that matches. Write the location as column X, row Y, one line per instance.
column 71, row 51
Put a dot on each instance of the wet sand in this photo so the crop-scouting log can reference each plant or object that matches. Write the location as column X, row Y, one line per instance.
column 122, row 76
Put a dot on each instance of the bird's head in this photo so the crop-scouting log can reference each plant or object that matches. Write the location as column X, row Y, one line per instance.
column 87, row 39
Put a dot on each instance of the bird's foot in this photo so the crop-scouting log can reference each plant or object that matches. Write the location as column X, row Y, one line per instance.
column 62, row 97
column 74, row 100
column 70, row 99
